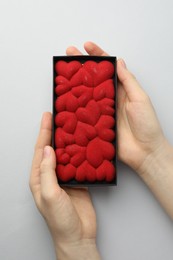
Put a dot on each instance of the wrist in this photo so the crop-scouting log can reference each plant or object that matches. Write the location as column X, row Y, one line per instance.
column 85, row 249
column 157, row 173
column 156, row 161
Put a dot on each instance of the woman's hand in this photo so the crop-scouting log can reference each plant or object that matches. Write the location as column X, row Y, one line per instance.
column 141, row 142
column 139, row 132
column 69, row 212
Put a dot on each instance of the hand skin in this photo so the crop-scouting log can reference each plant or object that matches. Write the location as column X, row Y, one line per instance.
column 69, row 212
column 141, row 142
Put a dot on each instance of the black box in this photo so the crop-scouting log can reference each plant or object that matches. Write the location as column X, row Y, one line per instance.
column 82, row 60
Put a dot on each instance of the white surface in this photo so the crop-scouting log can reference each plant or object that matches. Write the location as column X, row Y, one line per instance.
column 131, row 224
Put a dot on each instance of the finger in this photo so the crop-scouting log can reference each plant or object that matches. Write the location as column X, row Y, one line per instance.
column 121, row 96
column 129, row 83
column 93, row 49
column 44, row 138
column 73, row 51
column 49, row 185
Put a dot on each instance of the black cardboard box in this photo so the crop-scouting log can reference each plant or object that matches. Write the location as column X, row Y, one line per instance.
column 82, row 60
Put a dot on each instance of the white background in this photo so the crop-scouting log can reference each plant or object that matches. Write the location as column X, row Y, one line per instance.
column 131, row 224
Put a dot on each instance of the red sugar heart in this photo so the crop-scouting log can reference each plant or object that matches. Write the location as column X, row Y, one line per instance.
column 84, row 133
column 61, row 156
column 66, row 102
column 62, row 138
column 90, row 114
column 77, row 153
column 73, row 149
column 106, row 106
column 90, row 173
column 65, row 173
column 84, row 94
column 99, row 71
column 66, row 120
column 104, row 128
column 98, row 150
column 67, row 69
column 82, row 77
column 81, row 172
column 85, row 172
column 77, row 159
column 105, row 171
column 63, row 85
column 105, row 89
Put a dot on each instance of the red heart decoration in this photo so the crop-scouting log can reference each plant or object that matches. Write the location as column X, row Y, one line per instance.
column 99, row 71
column 65, row 173
column 90, row 114
column 104, row 128
column 104, row 90
column 66, row 102
column 82, row 77
column 61, row 156
column 98, row 150
column 105, row 171
column 85, row 172
column 84, row 94
column 84, row 133
column 66, row 120
column 67, row 69
column 106, row 106
column 77, row 153
column 63, row 85
column 62, row 138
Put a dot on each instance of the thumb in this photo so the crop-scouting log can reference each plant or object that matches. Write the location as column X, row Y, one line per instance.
column 48, row 179
column 129, row 82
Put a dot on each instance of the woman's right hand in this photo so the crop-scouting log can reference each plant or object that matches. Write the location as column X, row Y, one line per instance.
column 141, row 142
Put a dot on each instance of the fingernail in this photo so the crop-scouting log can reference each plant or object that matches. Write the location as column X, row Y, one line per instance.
column 46, row 152
column 123, row 63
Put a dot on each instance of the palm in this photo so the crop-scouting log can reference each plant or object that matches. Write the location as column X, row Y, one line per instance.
column 72, row 215
column 81, row 201
column 138, row 128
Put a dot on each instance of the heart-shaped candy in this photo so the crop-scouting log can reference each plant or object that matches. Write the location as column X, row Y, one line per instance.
column 63, row 85
column 66, row 102
column 99, row 150
column 77, row 154
column 62, row 138
column 105, row 127
column 106, row 171
column 67, row 69
column 65, row 173
column 66, row 120
column 104, row 90
column 84, row 133
column 90, row 114
column 85, row 172
column 82, row 77
column 106, row 106
column 100, row 71
column 84, row 94
column 61, row 156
